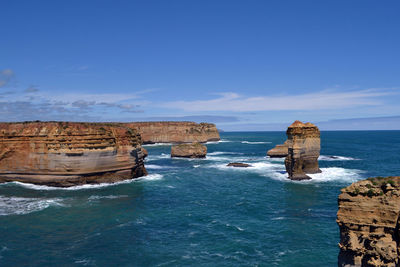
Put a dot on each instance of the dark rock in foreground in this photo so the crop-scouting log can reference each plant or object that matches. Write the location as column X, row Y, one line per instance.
column 238, row 164
column 195, row 150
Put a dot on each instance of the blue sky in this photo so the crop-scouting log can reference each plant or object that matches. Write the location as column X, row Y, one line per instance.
column 241, row 64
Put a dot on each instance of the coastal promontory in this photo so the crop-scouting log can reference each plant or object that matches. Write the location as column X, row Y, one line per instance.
column 369, row 222
column 175, row 132
column 68, row 153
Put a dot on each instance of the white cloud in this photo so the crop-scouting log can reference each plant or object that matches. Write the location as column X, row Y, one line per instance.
column 322, row 100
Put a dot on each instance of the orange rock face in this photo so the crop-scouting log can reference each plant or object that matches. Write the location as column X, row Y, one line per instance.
column 194, row 150
column 66, row 153
column 303, row 150
column 175, row 132
column 369, row 222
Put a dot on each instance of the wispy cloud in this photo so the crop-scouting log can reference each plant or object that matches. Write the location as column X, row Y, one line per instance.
column 5, row 77
column 322, row 100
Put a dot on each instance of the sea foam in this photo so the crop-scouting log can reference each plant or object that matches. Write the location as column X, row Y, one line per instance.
column 21, row 205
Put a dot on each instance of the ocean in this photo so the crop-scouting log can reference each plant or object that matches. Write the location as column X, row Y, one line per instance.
column 197, row 212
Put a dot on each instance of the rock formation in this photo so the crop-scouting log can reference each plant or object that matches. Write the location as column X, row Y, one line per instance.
column 238, row 164
column 369, row 222
column 175, row 132
column 194, row 150
column 65, row 153
column 279, row 151
column 303, row 152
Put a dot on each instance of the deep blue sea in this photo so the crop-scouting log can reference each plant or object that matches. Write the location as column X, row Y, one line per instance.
column 197, row 212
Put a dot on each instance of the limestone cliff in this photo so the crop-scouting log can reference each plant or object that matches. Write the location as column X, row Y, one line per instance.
column 66, row 153
column 303, row 150
column 279, row 151
column 368, row 218
column 175, row 132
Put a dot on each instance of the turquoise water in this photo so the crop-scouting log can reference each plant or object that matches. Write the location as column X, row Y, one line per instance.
column 197, row 212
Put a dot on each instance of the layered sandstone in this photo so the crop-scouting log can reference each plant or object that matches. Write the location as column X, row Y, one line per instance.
column 303, row 150
column 279, row 151
column 194, row 150
column 175, row 132
column 368, row 218
column 65, row 153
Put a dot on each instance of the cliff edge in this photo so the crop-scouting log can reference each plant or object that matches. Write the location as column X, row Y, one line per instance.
column 68, row 153
column 368, row 218
column 175, row 132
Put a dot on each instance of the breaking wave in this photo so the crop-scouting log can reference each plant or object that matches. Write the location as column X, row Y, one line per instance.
column 254, row 143
column 335, row 158
column 21, row 205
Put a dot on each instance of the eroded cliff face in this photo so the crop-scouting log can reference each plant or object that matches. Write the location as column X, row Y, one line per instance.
column 303, row 150
column 66, row 154
column 175, row 132
column 279, row 151
column 368, row 218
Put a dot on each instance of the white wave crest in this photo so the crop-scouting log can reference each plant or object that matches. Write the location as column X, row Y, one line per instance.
column 216, row 153
column 335, row 158
column 157, row 167
column 21, row 205
column 254, row 143
column 156, row 157
column 217, row 142
column 158, row 144
column 95, row 197
column 150, row 177
column 327, row 175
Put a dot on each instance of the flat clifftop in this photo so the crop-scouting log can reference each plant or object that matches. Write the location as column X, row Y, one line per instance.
column 175, row 132
column 368, row 218
column 69, row 153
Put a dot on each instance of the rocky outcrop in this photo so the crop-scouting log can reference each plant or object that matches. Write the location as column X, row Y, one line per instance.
column 368, row 218
column 279, row 151
column 175, row 132
column 238, row 165
column 65, row 153
column 303, row 150
column 194, row 150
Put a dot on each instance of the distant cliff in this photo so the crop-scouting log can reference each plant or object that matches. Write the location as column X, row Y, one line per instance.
column 369, row 222
column 66, row 153
column 175, row 132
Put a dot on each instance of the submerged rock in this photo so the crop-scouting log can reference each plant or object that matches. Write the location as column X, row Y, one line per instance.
column 279, row 151
column 238, row 164
column 369, row 222
column 194, row 150
column 303, row 150
column 68, row 153
column 175, row 132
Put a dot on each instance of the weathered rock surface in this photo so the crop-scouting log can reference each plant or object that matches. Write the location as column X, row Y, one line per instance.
column 194, row 150
column 175, row 132
column 279, row 151
column 368, row 218
column 303, row 151
column 238, row 164
column 66, row 153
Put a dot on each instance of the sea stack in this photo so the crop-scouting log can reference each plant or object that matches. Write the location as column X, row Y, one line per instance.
column 175, row 132
column 369, row 222
column 303, row 150
column 67, row 153
column 194, row 150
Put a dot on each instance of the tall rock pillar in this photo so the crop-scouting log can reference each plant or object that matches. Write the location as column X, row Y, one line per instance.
column 303, row 151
